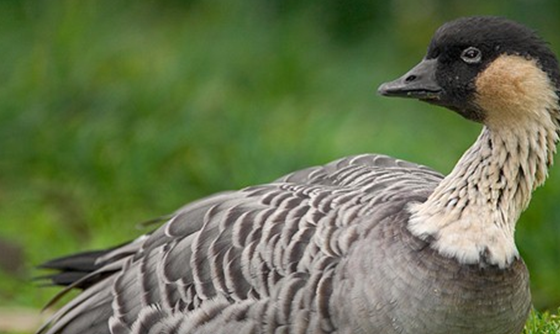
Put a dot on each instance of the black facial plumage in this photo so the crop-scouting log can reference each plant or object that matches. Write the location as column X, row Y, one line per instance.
column 445, row 78
column 493, row 36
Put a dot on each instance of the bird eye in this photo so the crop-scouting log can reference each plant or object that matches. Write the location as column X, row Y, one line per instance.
column 471, row 55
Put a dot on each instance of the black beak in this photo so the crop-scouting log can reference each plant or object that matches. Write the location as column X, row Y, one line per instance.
column 419, row 82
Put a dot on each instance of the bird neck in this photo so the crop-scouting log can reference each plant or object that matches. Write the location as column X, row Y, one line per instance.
column 471, row 215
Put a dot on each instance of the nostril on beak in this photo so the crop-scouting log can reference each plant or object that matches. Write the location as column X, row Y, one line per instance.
column 410, row 78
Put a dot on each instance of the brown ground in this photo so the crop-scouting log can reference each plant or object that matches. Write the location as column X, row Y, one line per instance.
column 19, row 320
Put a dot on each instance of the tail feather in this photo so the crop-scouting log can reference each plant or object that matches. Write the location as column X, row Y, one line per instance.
column 93, row 272
column 75, row 270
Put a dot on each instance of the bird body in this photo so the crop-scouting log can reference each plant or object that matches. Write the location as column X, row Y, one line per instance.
column 364, row 244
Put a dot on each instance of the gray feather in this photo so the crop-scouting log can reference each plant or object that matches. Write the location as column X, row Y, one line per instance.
column 275, row 258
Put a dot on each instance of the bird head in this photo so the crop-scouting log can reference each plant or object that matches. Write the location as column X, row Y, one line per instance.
column 488, row 69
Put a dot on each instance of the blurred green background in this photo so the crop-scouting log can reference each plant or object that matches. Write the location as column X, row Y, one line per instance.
column 115, row 112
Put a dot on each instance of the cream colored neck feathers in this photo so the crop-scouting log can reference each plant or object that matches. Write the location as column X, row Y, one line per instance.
column 471, row 215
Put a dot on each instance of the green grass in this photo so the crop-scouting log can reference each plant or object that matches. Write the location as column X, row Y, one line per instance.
column 542, row 323
column 114, row 113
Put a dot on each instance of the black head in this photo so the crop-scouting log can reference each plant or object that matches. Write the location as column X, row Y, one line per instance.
column 460, row 52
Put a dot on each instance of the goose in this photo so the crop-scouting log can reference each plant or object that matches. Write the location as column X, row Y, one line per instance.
column 364, row 244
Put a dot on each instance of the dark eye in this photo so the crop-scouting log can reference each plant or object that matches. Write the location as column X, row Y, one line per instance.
column 471, row 55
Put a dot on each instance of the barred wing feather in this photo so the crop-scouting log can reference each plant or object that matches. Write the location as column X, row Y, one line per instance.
column 264, row 259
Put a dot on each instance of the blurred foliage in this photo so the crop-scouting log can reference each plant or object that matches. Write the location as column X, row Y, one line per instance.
column 115, row 112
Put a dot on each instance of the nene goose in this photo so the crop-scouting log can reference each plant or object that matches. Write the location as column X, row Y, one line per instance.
column 365, row 244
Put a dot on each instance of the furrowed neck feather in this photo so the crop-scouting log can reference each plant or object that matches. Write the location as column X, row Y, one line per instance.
column 472, row 213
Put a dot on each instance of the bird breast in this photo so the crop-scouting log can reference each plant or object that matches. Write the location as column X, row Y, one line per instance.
column 413, row 289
